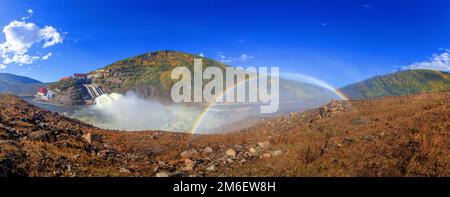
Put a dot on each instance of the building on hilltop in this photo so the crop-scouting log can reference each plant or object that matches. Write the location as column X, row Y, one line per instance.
column 80, row 76
column 44, row 94
column 66, row 78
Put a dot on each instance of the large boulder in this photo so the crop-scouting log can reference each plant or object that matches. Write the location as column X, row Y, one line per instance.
column 44, row 136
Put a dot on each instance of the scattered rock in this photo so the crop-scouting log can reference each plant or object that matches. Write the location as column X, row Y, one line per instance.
column 57, row 173
column 266, row 156
column 200, row 161
column 44, row 136
column 252, row 150
column 189, row 165
column 231, row 153
column 276, row 153
column 87, row 137
column 162, row 174
column 106, row 153
column 187, row 154
column 161, row 164
column 124, row 170
column 238, row 148
column 211, row 168
column 180, row 174
column 332, row 107
column 264, row 145
column 243, row 155
column 208, row 150
column 189, row 162
column 154, row 137
column 188, row 168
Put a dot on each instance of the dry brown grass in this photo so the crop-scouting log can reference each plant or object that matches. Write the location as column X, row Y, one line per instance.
column 399, row 136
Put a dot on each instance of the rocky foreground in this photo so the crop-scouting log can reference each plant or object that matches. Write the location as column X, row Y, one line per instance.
column 399, row 136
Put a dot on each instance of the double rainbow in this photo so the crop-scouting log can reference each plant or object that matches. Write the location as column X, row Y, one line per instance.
column 293, row 76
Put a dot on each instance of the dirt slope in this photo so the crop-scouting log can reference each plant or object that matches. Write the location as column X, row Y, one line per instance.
column 398, row 136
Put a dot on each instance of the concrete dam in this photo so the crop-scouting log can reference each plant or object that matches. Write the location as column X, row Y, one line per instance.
column 94, row 90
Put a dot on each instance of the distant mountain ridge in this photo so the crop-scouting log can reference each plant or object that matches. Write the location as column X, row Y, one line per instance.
column 16, row 79
column 399, row 84
column 19, row 85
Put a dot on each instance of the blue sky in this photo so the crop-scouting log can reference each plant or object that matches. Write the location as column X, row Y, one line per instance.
column 339, row 42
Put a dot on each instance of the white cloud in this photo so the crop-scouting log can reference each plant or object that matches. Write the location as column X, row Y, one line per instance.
column 21, row 36
column 228, row 59
column 30, row 14
column 2, row 66
column 201, row 55
column 244, row 57
column 21, row 59
column 51, row 36
column 45, row 57
column 436, row 62
column 225, row 59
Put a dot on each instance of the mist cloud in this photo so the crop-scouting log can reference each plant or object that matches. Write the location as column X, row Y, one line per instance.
column 132, row 113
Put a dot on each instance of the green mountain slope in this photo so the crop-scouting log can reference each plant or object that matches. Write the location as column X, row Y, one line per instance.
column 399, row 84
column 147, row 74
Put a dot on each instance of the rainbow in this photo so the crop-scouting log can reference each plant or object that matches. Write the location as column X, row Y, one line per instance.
column 314, row 81
column 292, row 76
column 203, row 114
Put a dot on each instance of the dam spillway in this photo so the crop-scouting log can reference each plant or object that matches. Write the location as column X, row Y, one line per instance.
column 94, row 90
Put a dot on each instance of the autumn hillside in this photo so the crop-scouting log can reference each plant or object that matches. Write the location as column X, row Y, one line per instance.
column 401, row 83
column 398, row 136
